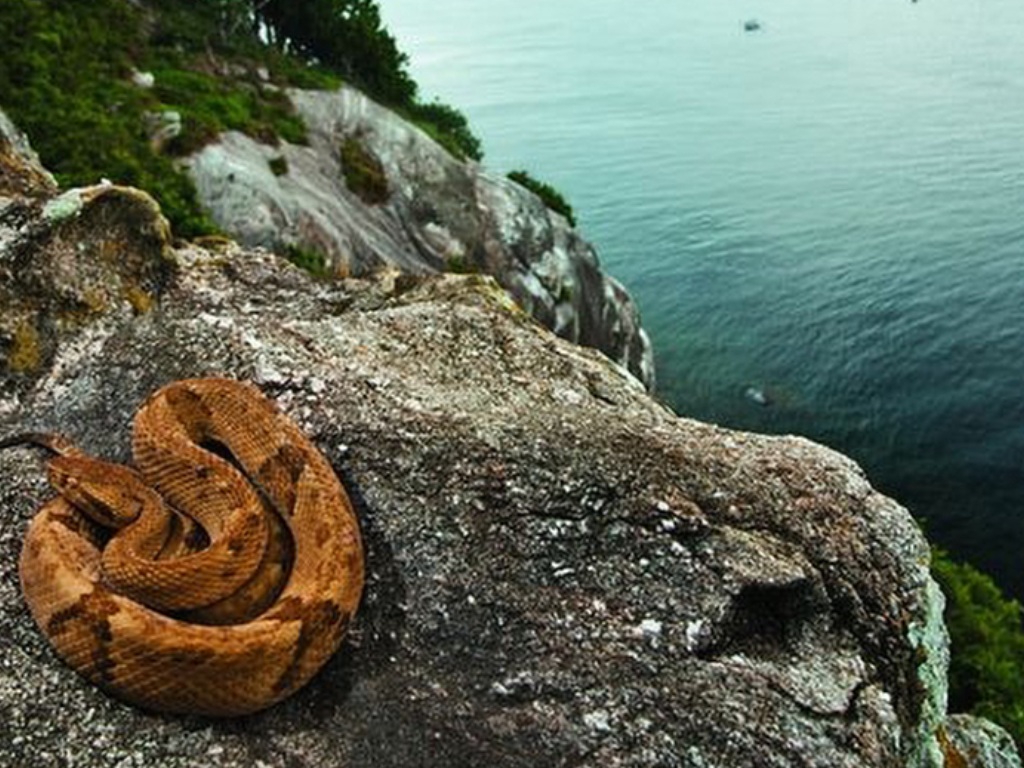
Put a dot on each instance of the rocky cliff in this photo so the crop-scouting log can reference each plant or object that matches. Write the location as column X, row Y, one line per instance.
column 372, row 190
column 560, row 570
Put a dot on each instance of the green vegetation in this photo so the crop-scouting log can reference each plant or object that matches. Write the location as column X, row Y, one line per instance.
column 311, row 260
column 552, row 198
column 66, row 79
column 364, row 174
column 278, row 165
column 986, row 675
column 447, row 126
column 457, row 263
column 210, row 105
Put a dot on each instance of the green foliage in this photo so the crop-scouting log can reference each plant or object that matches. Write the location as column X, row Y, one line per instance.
column 347, row 37
column 309, row 259
column 297, row 73
column 447, row 126
column 459, row 264
column 986, row 675
column 552, row 198
column 228, row 28
column 210, row 105
column 65, row 79
column 363, row 172
column 278, row 165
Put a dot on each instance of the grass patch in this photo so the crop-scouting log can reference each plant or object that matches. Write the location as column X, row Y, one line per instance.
column 309, row 259
column 211, row 105
column 459, row 264
column 552, row 198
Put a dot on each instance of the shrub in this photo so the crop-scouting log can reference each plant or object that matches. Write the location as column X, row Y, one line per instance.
column 309, row 259
column 447, row 126
column 552, row 198
column 65, row 80
column 278, row 165
column 363, row 172
column 210, row 105
column 986, row 674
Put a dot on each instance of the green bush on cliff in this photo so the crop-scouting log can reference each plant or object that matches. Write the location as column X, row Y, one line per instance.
column 309, row 259
column 343, row 37
column 65, row 79
column 552, row 198
column 210, row 105
column 986, row 674
column 447, row 126
column 363, row 172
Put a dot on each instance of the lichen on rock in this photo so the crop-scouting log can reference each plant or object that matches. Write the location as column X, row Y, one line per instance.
column 76, row 257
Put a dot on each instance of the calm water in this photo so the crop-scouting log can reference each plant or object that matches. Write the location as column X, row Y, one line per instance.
column 830, row 210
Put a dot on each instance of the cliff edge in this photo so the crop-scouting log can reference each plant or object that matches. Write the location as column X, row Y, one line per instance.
column 371, row 190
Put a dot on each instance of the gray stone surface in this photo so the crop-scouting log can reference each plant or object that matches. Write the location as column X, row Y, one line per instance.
column 21, row 173
column 440, row 214
column 973, row 742
column 560, row 570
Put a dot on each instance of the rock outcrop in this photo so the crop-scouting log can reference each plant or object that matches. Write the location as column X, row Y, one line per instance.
column 560, row 570
column 972, row 742
column 372, row 190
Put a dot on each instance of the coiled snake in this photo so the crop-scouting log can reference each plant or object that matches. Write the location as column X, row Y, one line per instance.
column 217, row 576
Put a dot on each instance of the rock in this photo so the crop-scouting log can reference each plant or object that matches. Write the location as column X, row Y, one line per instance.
column 144, row 80
column 21, row 173
column 371, row 190
column 560, row 570
column 973, row 742
column 162, row 127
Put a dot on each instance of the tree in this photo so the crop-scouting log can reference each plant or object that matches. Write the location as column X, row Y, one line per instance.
column 346, row 36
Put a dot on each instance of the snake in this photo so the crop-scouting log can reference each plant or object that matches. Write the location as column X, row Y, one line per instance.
column 213, row 576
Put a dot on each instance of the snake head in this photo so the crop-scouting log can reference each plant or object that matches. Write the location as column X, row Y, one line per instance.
column 110, row 494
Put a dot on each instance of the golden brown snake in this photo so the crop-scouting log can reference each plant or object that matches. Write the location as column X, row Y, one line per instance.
column 217, row 576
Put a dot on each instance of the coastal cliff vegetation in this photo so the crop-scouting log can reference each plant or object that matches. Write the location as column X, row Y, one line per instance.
column 73, row 76
column 987, row 659
column 119, row 90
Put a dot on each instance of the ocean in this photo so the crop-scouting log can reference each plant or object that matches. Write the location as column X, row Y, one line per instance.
column 822, row 219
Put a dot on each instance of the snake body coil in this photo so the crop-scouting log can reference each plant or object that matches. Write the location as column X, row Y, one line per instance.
column 234, row 568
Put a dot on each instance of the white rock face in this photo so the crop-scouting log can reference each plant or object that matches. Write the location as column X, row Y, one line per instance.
column 440, row 214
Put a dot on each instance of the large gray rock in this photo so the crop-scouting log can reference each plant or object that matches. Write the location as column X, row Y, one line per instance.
column 972, row 742
column 560, row 570
column 418, row 209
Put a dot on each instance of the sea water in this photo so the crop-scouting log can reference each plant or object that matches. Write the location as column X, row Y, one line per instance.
column 822, row 219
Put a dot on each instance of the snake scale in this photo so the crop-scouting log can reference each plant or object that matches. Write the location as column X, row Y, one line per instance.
column 216, row 576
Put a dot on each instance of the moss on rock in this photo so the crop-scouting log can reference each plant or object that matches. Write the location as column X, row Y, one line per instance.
column 363, row 171
column 25, row 355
